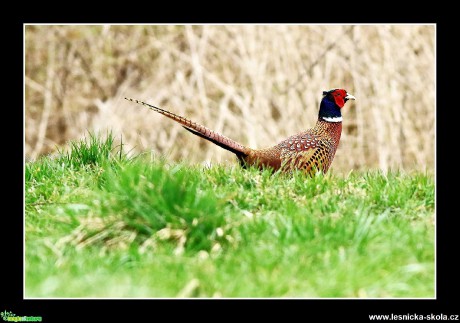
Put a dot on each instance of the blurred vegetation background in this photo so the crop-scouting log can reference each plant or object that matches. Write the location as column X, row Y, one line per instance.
column 255, row 84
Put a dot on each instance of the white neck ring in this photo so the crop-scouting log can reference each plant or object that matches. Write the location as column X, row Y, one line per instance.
column 333, row 119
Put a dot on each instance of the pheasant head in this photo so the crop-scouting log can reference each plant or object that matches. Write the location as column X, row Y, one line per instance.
column 333, row 100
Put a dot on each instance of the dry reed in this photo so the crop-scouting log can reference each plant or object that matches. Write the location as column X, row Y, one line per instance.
column 255, row 84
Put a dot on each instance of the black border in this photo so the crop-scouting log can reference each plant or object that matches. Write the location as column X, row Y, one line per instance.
column 132, row 310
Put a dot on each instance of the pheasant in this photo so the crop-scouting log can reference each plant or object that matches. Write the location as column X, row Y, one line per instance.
column 309, row 151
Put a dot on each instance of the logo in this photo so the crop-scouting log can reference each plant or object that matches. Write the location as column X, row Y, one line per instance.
column 11, row 317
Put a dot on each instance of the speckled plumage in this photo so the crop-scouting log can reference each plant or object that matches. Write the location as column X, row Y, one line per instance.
column 309, row 151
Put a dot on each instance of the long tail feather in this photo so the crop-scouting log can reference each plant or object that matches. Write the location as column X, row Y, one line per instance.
column 201, row 130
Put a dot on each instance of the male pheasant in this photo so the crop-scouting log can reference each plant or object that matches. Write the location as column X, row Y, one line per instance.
column 310, row 151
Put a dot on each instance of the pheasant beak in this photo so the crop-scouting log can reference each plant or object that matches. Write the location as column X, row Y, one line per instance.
column 349, row 97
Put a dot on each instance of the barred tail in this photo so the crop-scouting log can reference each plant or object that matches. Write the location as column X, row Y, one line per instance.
column 201, row 131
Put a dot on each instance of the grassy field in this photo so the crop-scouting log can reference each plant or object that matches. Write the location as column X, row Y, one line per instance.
column 99, row 224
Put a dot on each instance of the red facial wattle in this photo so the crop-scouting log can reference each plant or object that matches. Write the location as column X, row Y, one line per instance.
column 339, row 97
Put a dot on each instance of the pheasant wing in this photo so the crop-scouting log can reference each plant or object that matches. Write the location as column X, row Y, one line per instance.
column 305, row 152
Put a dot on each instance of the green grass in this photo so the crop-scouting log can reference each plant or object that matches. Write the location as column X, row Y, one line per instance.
column 99, row 224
